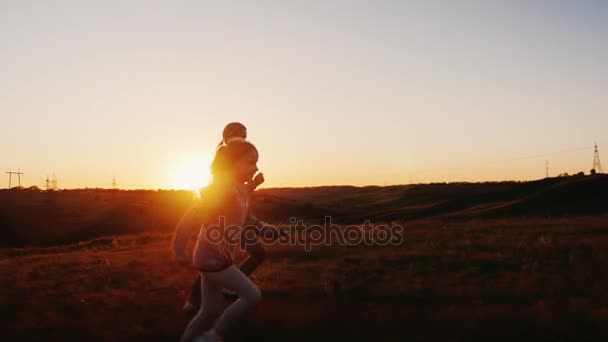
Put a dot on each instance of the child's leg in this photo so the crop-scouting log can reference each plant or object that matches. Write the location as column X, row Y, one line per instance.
column 257, row 254
column 210, row 310
column 249, row 296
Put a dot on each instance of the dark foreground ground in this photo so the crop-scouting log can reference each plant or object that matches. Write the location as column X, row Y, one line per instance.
column 481, row 280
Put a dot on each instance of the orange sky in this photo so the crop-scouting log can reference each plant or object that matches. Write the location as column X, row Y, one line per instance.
column 363, row 94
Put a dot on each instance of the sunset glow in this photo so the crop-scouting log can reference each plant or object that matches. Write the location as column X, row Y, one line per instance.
column 190, row 173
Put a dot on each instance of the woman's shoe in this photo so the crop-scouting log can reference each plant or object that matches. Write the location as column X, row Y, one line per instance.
column 229, row 294
column 190, row 308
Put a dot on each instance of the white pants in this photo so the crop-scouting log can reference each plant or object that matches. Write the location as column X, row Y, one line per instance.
column 212, row 300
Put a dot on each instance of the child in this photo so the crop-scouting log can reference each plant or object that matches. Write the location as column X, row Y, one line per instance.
column 234, row 131
column 226, row 197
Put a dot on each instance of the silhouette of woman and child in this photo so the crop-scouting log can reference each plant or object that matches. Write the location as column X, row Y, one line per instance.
column 234, row 178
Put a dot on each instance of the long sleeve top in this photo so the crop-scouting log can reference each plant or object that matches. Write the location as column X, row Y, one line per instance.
column 220, row 214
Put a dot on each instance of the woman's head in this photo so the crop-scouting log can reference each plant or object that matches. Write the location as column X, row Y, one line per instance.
column 236, row 160
column 234, row 130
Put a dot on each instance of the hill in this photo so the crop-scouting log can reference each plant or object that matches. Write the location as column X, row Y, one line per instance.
column 33, row 217
column 562, row 196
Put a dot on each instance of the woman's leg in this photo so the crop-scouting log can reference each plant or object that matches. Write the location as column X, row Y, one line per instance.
column 249, row 296
column 209, row 311
column 257, row 254
column 195, row 293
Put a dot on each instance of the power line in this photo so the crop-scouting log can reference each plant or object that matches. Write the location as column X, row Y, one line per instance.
column 577, row 149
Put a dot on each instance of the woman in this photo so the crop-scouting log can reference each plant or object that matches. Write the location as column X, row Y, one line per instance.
column 224, row 207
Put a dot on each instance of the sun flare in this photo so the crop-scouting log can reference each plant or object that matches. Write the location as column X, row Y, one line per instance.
column 190, row 173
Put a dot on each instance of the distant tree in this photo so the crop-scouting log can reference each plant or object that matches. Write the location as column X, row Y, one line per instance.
column 581, row 173
column 592, row 171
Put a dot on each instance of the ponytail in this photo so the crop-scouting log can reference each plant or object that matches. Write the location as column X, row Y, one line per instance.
column 226, row 155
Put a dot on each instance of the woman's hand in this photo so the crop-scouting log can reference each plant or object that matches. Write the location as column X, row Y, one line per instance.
column 183, row 260
column 277, row 231
column 258, row 179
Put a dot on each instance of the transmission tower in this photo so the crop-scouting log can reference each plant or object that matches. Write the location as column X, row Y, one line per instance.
column 114, row 183
column 546, row 169
column 597, row 166
column 53, row 182
column 10, row 176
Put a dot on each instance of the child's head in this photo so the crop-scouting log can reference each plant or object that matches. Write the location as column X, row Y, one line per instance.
column 236, row 160
column 233, row 130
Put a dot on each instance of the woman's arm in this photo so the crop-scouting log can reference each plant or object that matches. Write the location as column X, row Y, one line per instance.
column 255, row 182
column 226, row 212
column 183, row 231
column 262, row 227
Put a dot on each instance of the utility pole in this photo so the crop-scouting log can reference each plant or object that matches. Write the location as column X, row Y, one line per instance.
column 10, row 176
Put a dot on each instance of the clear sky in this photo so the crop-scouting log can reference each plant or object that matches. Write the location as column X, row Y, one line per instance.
column 332, row 92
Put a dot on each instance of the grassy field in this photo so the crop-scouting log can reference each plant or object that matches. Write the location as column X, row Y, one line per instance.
column 498, row 279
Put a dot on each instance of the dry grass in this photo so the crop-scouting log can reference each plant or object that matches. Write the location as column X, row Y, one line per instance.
column 481, row 279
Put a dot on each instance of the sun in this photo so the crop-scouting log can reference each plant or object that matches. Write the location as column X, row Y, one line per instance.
column 190, row 173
